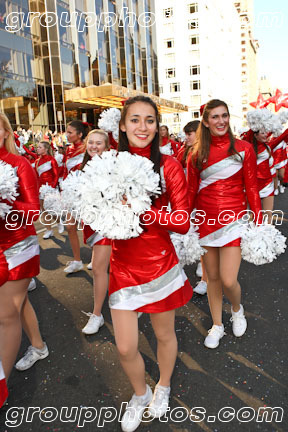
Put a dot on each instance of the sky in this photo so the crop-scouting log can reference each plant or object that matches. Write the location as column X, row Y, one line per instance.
column 273, row 39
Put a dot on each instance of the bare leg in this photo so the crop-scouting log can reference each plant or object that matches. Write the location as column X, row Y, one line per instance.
column 204, row 276
column 230, row 260
column 267, row 206
column 125, row 324
column 281, row 174
column 214, row 286
column 12, row 296
column 30, row 324
column 74, row 240
column 164, row 328
column 100, row 263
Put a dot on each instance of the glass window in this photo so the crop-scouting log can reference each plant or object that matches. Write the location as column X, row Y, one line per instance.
column 168, row 12
column 195, row 85
column 64, row 30
column 174, row 87
column 193, row 8
column 193, row 24
column 170, row 73
column 169, row 43
column 195, row 70
column 194, row 40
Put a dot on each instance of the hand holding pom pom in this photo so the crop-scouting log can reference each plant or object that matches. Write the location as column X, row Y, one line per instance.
column 116, row 189
column 187, row 246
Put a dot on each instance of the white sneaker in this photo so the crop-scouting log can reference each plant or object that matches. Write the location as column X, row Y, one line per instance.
column 239, row 323
column 282, row 189
column 89, row 266
column 276, row 192
column 32, row 285
column 94, row 323
column 199, row 271
column 214, row 336
column 201, row 288
column 73, row 266
column 160, row 402
column 60, row 228
column 133, row 414
column 31, row 356
column 48, row 234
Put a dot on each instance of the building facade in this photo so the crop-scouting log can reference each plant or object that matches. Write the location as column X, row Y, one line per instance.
column 249, row 49
column 199, row 55
column 59, row 45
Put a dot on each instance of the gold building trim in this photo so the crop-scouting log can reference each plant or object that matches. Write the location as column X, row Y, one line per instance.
column 111, row 96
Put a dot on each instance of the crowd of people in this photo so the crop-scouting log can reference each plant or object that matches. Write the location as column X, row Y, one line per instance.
column 211, row 171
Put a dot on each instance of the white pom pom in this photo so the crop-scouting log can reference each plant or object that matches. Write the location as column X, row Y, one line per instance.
column 52, row 202
column 106, row 180
column 262, row 244
column 109, row 121
column 187, row 246
column 264, row 119
column 44, row 190
column 71, row 192
column 283, row 117
column 8, row 187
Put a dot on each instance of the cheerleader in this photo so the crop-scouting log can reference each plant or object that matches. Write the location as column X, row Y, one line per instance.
column 280, row 161
column 145, row 275
column 47, row 171
column 167, row 145
column 21, row 250
column 76, row 133
column 190, row 132
column 265, row 166
column 97, row 142
column 221, row 173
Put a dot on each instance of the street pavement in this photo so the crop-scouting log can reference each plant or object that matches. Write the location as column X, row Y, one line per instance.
column 82, row 376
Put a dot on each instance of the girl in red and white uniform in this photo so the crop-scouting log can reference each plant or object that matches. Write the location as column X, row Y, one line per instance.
column 221, row 174
column 21, row 250
column 4, row 274
column 169, row 146
column 145, row 275
column 47, row 172
column 190, row 132
column 97, row 142
column 76, row 133
column 266, row 170
column 279, row 145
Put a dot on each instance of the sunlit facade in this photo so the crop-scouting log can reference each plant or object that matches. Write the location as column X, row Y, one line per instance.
column 199, row 57
column 39, row 63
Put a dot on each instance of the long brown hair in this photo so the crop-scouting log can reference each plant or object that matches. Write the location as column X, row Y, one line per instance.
column 255, row 145
column 87, row 157
column 123, row 145
column 9, row 142
column 201, row 149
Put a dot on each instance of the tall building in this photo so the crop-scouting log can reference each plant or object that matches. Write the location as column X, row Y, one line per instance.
column 199, row 55
column 61, row 60
column 249, row 48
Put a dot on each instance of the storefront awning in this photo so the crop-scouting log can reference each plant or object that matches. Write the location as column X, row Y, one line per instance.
column 111, row 96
